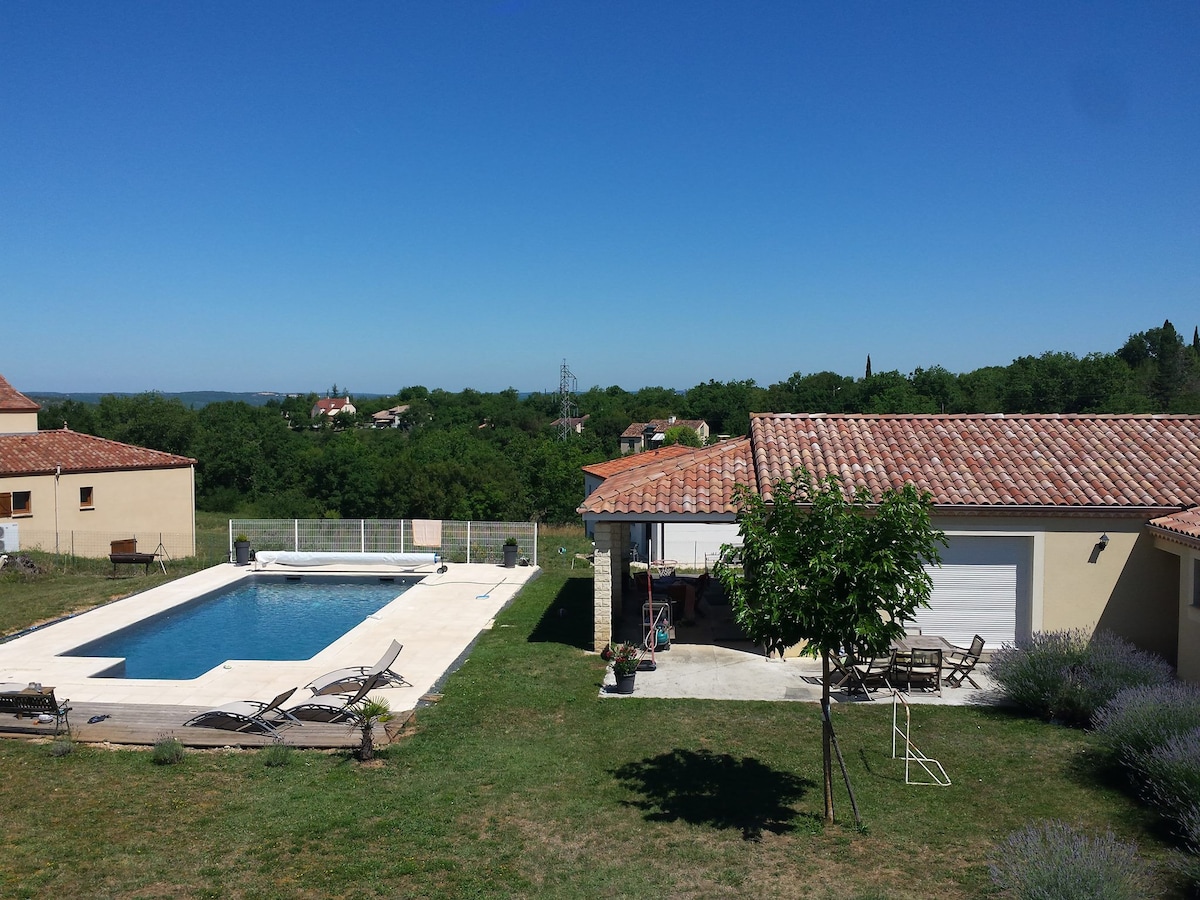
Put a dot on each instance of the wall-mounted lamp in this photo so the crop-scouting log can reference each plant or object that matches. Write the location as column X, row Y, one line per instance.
column 1103, row 542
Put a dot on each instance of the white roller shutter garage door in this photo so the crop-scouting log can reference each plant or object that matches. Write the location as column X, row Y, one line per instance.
column 982, row 587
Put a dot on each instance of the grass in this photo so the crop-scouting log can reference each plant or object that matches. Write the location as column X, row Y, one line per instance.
column 74, row 583
column 522, row 782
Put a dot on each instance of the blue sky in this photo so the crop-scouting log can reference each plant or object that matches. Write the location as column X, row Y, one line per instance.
column 279, row 196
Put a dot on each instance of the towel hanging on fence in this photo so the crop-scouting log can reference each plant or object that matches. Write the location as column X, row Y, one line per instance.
column 427, row 532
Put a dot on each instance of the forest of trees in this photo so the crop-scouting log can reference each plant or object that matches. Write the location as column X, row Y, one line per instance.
column 473, row 455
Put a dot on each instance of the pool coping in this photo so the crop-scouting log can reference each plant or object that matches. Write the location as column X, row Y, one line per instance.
column 436, row 620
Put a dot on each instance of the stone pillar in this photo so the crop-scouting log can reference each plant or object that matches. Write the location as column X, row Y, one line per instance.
column 612, row 567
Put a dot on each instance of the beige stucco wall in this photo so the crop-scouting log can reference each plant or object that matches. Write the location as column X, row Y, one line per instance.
column 18, row 422
column 139, row 503
column 1130, row 587
column 1184, row 557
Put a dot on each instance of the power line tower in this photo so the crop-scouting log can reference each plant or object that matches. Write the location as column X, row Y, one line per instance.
column 567, row 385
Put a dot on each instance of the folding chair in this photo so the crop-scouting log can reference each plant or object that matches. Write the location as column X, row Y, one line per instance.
column 960, row 663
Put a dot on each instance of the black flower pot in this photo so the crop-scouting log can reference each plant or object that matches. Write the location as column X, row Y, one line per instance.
column 624, row 683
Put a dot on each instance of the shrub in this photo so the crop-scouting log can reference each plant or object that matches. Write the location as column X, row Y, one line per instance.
column 62, row 747
column 276, row 755
column 1032, row 674
column 1110, row 665
column 1140, row 719
column 167, row 751
column 1067, row 676
column 1052, row 860
column 1171, row 781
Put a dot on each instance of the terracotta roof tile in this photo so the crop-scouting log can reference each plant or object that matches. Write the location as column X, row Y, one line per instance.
column 992, row 460
column 632, row 460
column 694, row 481
column 1185, row 523
column 43, row 451
column 661, row 426
column 12, row 400
column 969, row 462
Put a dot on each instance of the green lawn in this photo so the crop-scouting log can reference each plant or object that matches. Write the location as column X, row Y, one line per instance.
column 521, row 782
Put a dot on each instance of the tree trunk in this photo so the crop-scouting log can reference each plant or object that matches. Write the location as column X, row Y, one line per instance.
column 366, row 749
column 826, row 755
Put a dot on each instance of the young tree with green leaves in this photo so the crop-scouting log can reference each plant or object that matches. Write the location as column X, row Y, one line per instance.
column 826, row 571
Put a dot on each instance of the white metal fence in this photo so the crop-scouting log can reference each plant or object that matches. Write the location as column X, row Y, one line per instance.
column 464, row 542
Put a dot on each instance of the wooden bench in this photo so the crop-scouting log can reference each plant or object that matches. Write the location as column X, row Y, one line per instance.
column 37, row 703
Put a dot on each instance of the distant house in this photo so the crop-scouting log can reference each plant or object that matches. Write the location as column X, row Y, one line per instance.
column 647, row 435
column 1053, row 521
column 390, row 418
column 75, row 493
column 332, row 406
column 575, row 423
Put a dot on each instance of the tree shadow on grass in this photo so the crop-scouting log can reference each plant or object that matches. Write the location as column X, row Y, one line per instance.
column 705, row 788
column 568, row 618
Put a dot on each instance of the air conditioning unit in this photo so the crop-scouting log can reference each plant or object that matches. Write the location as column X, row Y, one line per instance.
column 9, row 541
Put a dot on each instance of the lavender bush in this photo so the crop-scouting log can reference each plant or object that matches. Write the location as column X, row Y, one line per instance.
column 1171, row 782
column 1067, row 675
column 1032, row 673
column 1053, row 861
column 1140, row 719
column 1110, row 665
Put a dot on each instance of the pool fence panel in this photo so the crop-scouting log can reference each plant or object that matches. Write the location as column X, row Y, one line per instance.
column 462, row 542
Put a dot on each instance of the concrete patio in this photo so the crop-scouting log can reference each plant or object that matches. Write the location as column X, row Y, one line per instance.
column 710, row 659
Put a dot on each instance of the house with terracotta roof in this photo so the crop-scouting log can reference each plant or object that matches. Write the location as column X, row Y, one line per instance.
column 332, row 406
column 647, row 435
column 1053, row 521
column 74, row 493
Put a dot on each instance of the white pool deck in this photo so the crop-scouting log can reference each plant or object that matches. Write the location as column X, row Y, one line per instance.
column 436, row 620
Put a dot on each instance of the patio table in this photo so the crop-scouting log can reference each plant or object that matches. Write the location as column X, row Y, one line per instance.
column 908, row 643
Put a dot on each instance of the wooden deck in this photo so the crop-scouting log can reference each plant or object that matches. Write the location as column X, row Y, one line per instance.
column 143, row 724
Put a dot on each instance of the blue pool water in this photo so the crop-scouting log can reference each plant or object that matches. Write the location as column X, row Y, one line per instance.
column 267, row 617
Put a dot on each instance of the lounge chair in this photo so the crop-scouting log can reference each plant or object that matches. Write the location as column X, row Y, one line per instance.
column 332, row 709
column 961, row 662
column 243, row 715
column 345, row 681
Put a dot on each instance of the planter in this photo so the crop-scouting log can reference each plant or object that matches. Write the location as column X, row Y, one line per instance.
column 624, row 683
column 241, row 553
column 510, row 556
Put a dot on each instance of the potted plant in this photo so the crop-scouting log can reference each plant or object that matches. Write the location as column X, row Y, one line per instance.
column 510, row 552
column 241, row 550
column 624, row 661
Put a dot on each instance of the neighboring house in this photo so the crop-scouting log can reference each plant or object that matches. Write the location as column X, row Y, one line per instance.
column 575, row 423
column 390, row 418
column 332, row 406
column 75, row 492
column 647, row 435
column 1053, row 521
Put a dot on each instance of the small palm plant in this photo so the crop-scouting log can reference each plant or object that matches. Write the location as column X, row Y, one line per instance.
column 364, row 715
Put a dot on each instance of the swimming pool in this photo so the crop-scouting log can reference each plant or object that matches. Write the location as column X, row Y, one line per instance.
column 276, row 617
